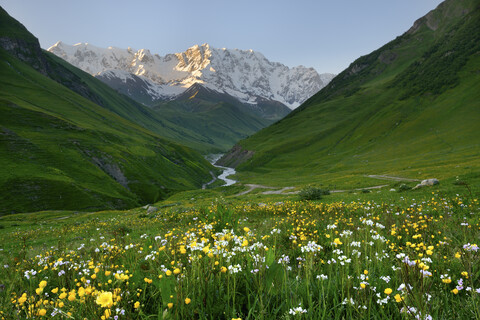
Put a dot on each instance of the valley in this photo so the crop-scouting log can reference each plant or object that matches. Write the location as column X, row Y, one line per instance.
column 216, row 184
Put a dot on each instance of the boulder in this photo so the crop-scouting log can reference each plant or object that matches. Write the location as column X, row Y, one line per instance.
column 427, row 182
column 151, row 209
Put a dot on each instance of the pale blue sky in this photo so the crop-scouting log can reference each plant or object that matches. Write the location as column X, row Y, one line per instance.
column 326, row 35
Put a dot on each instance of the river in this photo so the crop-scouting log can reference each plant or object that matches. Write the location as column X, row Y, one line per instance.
column 212, row 158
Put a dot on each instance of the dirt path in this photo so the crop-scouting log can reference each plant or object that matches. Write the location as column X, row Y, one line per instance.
column 252, row 187
column 281, row 191
column 385, row 177
column 359, row 189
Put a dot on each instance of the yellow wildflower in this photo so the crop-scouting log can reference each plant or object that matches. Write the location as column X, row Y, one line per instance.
column 104, row 299
column 147, row 280
column 22, row 299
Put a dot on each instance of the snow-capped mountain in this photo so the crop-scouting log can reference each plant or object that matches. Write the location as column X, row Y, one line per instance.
column 244, row 74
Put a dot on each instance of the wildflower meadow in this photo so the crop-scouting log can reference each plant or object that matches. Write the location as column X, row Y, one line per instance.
column 407, row 259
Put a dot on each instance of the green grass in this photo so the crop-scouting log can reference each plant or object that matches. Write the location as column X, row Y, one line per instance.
column 180, row 252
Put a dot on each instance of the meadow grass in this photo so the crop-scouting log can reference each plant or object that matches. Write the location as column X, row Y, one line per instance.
column 375, row 255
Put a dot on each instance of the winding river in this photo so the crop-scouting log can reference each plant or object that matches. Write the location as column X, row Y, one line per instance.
column 212, row 158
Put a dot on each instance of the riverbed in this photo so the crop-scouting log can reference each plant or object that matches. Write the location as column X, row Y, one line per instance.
column 213, row 158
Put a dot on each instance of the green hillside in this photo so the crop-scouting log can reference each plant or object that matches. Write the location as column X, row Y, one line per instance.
column 156, row 122
column 60, row 150
column 410, row 108
column 219, row 119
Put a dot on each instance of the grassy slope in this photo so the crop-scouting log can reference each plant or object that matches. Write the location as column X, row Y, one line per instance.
column 60, row 150
column 67, row 141
column 135, row 112
column 220, row 124
column 415, row 116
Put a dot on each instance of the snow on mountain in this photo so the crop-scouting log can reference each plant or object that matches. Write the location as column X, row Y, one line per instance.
column 244, row 74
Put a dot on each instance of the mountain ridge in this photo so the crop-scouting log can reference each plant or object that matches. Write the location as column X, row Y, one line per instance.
column 244, row 74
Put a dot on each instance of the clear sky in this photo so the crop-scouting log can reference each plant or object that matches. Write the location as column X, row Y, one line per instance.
column 325, row 34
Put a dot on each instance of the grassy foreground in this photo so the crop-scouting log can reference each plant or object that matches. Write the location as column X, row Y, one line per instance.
column 402, row 255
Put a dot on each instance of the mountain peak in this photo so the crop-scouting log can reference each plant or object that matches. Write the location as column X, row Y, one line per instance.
column 244, row 74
